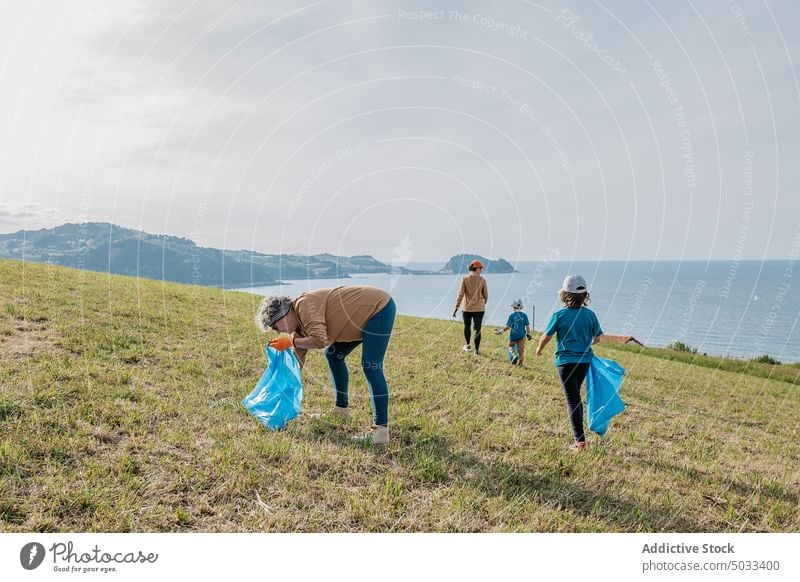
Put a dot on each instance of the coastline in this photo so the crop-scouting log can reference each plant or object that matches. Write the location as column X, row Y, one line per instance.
column 658, row 305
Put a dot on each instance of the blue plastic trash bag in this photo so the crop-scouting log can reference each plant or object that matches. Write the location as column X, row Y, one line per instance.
column 602, row 393
column 515, row 353
column 276, row 398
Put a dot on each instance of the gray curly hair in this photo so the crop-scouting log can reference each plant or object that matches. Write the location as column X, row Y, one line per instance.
column 273, row 308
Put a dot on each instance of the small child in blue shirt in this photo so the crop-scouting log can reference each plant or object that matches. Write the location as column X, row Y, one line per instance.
column 576, row 328
column 520, row 328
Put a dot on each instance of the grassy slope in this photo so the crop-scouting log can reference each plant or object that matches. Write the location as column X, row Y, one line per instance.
column 119, row 411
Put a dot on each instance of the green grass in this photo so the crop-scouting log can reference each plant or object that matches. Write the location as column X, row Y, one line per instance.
column 120, row 411
column 762, row 367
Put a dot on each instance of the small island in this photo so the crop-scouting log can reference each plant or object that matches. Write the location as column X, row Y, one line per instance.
column 459, row 263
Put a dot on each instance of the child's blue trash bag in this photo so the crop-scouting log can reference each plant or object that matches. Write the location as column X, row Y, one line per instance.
column 515, row 353
column 276, row 398
column 602, row 393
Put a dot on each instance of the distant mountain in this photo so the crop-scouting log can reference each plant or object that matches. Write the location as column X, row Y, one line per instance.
column 323, row 266
column 459, row 263
column 104, row 247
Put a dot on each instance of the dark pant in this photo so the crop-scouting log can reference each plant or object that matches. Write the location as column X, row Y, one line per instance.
column 572, row 376
column 377, row 332
column 471, row 317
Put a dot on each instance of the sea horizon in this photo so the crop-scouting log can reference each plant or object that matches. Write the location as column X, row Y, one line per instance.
column 741, row 309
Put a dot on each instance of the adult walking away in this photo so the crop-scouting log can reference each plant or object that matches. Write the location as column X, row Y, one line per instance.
column 338, row 320
column 576, row 329
column 473, row 294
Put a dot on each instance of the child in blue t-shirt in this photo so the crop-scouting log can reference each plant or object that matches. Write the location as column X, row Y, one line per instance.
column 520, row 328
column 576, row 328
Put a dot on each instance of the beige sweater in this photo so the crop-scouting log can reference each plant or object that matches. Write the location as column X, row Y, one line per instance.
column 473, row 293
column 336, row 315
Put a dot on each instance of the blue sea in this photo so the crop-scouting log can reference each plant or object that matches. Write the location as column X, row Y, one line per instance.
column 738, row 309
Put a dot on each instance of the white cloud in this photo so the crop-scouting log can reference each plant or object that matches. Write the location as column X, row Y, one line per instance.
column 124, row 115
column 31, row 216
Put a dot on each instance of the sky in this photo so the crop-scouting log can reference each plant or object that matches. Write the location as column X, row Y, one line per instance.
column 411, row 131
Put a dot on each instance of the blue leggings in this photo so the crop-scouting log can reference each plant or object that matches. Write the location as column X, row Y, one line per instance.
column 377, row 332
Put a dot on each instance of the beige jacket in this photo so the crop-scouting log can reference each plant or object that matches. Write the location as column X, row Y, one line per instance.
column 473, row 293
column 336, row 315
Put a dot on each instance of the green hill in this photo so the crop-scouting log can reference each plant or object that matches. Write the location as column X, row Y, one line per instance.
column 120, row 411
column 108, row 248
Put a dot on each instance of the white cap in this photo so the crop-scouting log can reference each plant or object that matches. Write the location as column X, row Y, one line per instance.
column 573, row 284
column 516, row 303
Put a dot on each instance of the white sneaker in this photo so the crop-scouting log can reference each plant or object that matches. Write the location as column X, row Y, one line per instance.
column 341, row 413
column 379, row 435
column 467, row 348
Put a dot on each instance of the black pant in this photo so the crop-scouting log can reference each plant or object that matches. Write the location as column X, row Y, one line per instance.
column 471, row 317
column 572, row 376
